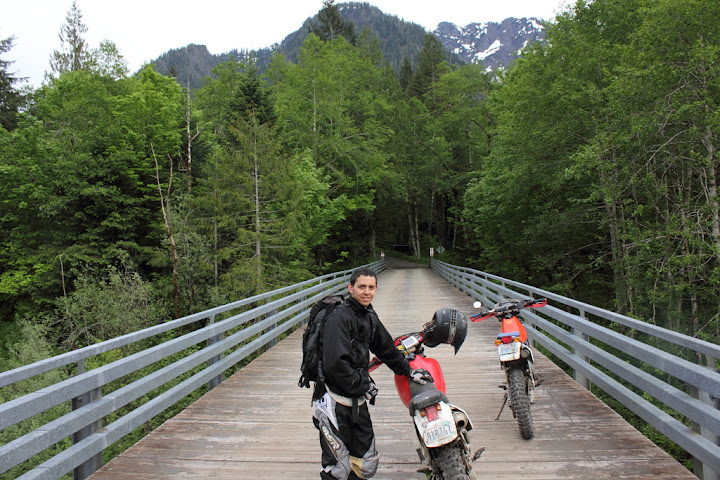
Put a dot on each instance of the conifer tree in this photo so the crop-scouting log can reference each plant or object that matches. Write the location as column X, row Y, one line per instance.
column 73, row 54
column 406, row 73
column 332, row 25
column 431, row 66
column 10, row 98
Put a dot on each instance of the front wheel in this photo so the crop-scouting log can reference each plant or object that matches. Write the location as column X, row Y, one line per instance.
column 449, row 460
column 520, row 402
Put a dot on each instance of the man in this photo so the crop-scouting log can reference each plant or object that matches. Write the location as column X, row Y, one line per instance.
column 352, row 330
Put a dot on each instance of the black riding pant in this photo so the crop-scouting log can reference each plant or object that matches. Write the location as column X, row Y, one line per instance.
column 346, row 439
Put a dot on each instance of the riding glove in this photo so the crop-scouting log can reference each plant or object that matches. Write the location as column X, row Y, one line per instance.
column 421, row 376
column 372, row 392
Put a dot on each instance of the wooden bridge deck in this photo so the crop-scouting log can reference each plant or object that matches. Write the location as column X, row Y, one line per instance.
column 257, row 424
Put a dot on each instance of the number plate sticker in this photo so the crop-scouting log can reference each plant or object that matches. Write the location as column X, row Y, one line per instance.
column 509, row 351
column 439, row 432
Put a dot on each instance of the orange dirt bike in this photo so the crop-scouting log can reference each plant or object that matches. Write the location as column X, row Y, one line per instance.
column 441, row 427
column 516, row 358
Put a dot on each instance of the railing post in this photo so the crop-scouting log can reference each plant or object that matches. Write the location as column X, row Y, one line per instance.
column 579, row 377
column 272, row 342
column 90, row 466
column 702, row 471
column 214, row 382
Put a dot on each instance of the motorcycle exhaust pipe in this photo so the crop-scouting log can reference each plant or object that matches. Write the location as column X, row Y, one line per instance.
column 461, row 420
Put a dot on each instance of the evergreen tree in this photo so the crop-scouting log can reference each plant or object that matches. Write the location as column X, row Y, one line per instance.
column 406, row 73
column 10, row 98
column 332, row 25
column 247, row 198
column 74, row 53
column 431, row 67
column 251, row 99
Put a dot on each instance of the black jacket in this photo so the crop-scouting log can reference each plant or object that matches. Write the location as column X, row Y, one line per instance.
column 345, row 359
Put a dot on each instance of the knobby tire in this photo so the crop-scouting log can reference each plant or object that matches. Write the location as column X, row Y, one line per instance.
column 520, row 402
column 450, row 462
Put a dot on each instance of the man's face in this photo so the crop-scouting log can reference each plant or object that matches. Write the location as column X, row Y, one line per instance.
column 364, row 289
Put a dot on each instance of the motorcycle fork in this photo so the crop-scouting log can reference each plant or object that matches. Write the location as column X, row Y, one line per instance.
column 531, row 383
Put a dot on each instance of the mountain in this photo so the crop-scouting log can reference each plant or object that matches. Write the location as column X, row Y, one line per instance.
column 493, row 44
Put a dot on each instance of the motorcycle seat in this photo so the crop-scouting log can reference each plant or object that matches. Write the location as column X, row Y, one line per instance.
column 424, row 396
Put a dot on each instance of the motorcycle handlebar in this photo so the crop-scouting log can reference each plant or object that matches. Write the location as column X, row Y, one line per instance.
column 509, row 305
column 408, row 343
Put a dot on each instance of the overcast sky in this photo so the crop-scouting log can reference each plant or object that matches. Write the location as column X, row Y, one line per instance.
column 145, row 29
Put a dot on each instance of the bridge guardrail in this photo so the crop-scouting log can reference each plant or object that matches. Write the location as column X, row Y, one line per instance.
column 567, row 329
column 203, row 355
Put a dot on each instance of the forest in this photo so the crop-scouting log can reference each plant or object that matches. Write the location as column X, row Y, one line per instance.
column 588, row 168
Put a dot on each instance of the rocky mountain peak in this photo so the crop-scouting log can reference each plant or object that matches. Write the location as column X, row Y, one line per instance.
column 495, row 45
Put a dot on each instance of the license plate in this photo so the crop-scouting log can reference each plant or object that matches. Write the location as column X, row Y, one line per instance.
column 509, row 351
column 438, row 432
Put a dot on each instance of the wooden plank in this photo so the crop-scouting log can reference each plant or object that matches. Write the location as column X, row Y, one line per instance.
column 257, row 424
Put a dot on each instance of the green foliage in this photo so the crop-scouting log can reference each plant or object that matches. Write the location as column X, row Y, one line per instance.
column 431, row 67
column 249, row 198
column 331, row 106
column 92, row 180
column 106, row 305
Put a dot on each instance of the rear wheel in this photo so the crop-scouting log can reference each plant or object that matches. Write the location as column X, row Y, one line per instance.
column 520, row 402
column 449, row 460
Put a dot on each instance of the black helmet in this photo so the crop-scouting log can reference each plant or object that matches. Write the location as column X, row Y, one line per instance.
column 447, row 326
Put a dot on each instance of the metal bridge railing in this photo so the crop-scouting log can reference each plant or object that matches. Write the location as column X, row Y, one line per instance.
column 570, row 330
column 219, row 339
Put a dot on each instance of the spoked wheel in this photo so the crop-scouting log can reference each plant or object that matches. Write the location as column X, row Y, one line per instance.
column 520, row 402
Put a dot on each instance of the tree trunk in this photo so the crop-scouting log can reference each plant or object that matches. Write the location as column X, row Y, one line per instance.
column 412, row 225
column 190, row 138
column 256, row 175
column 165, row 207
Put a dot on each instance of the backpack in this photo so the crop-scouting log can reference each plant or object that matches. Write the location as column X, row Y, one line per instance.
column 311, row 367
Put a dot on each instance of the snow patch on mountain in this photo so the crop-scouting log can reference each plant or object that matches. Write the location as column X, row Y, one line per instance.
column 495, row 45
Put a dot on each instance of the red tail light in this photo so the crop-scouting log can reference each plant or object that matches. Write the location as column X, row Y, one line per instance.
column 431, row 413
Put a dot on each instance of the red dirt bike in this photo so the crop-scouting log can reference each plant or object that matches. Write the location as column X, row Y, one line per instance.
column 441, row 427
column 516, row 358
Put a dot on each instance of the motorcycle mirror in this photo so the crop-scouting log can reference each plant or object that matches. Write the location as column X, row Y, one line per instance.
column 477, row 304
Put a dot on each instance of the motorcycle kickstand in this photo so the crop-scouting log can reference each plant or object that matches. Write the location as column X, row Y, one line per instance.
column 505, row 399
